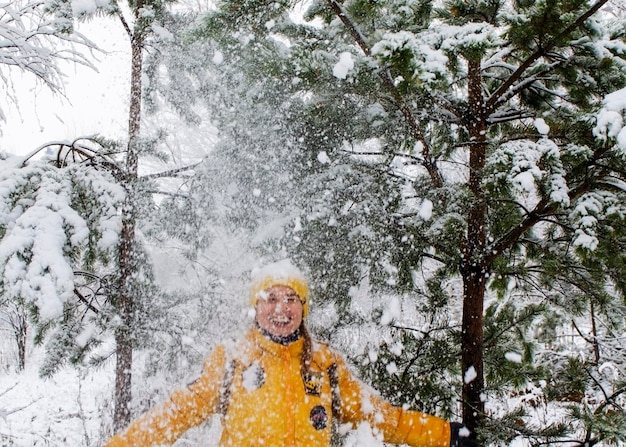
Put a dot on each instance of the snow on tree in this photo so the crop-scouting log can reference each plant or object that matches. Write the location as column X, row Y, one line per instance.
column 610, row 118
column 127, row 292
column 465, row 155
column 422, row 158
column 58, row 221
column 38, row 43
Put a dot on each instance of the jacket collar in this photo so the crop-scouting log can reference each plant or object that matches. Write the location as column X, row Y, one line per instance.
column 259, row 340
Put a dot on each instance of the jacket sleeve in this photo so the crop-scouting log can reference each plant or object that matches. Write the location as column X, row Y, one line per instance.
column 359, row 403
column 184, row 409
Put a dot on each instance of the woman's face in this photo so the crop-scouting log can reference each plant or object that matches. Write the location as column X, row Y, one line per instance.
column 279, row 311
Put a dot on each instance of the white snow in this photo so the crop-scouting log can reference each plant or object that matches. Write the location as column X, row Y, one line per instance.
column 372, row 355
column 392, row 311
column 250, row 377
column 610, row 119
column 429, row 63
column 426, row 209
column 323, row 158
column 80, row 7
column 470, row 375
column 64, row 410
column 534, row 163
column 391, row 368
column 513, row 357
column 464, row 432
column 34, row 261
column 277, row 270
column 363, row 437
column 541, row 126
column 218, row 57
column 343, row 66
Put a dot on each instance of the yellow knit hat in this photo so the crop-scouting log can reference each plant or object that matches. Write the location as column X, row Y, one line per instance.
column 282, row 273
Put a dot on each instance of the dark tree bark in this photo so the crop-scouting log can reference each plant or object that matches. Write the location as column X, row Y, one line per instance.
column 125, row 301
column 473, row 266
column 20, row 331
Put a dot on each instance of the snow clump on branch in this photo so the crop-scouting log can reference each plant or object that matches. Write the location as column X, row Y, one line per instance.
column 429, row 64
column 610, row 118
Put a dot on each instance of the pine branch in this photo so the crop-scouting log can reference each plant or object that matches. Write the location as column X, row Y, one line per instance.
column 387, row 79
column 503, row 91
column 543, row 208
column 530, row 313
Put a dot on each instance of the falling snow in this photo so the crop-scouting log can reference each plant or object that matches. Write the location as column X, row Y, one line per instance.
column 42, row 229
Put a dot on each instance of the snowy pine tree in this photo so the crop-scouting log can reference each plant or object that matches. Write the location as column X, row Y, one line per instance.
column 122, row 297
column 456, row 153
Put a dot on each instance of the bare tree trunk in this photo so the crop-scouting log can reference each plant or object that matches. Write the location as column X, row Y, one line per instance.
column 474, row 282
column 20, row 339
column 123, row 334
column 19, row 323
column 123, row 380
column 125, row 302
column 474, row 268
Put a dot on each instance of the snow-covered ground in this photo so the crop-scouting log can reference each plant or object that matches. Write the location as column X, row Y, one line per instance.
column 72, row 408
column 67, row 409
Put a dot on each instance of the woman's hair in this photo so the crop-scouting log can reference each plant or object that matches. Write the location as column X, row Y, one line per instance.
column 307, row 351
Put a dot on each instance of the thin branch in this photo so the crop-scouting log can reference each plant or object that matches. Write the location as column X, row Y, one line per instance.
column 84, row 300
column 583, row 336
column 171, row 172
column 487, row 342
column 125, row 24
column 543, row 208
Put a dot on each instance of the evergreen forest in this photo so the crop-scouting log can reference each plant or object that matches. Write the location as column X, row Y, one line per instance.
column 450, row 174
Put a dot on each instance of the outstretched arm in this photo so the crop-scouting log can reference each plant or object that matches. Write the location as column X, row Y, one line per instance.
column 184, row 409
column 397, row 426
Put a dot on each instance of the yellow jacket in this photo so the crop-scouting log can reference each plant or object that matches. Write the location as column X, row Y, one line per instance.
column 265, row 401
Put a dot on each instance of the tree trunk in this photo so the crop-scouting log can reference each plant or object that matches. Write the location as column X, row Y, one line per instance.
column 474, row 282
column 125, row 302
column 20, row 331
column 125, row 307
column 123, row 376
column 473, row 268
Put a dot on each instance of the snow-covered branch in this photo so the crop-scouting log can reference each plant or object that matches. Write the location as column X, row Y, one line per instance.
column 388, row 81
column 32, row 41
column 497, row 97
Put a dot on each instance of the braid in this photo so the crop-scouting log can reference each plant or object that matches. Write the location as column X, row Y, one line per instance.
column 307, row 351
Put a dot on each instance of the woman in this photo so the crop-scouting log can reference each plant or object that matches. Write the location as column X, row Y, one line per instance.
column 277, row 387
